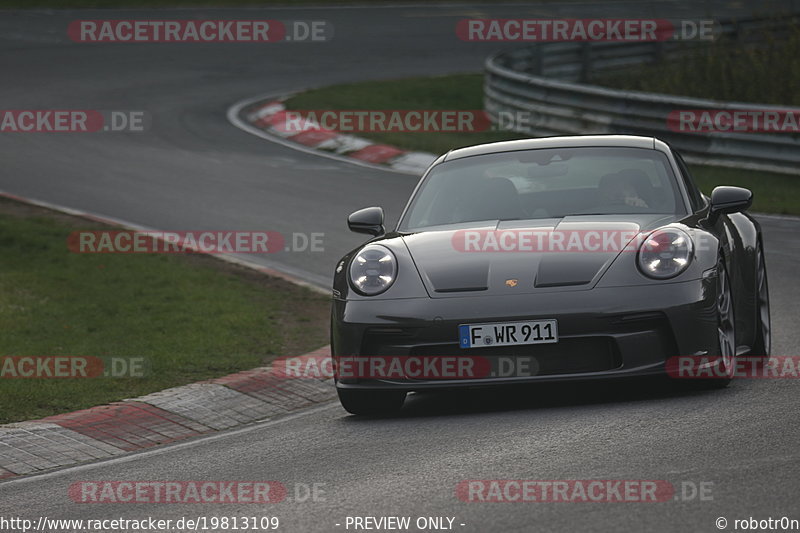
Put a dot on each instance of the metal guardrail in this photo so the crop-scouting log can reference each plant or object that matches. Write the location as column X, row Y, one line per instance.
column 539, row 87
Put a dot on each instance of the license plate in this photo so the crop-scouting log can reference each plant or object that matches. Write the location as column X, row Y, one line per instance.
column 508, row 333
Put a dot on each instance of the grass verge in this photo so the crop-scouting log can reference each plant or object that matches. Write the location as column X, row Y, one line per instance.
column 774, row 193
column 191, row 317
column 723, row 70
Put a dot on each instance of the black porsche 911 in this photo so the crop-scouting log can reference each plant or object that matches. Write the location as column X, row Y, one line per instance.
column 557, row 258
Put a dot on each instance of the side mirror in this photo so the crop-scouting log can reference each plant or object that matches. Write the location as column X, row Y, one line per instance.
column 368, row 220
column 725, row 199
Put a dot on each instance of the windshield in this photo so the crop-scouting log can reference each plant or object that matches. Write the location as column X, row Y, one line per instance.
column 545, row 183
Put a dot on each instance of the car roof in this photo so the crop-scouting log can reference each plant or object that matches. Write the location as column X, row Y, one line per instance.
column 626, row 141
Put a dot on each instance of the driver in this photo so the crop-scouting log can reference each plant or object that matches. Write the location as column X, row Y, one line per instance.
column 617, row 189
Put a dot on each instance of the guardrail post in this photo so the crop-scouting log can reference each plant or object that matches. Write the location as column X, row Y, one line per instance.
column 659, row 52
column 536, row 61
column 586, row 61
column 736, row 32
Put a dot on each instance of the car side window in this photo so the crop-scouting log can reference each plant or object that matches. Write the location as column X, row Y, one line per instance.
column 695, row 197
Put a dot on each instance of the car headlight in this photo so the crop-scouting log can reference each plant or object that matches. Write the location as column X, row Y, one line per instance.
column 373, row 270
column 665, row 253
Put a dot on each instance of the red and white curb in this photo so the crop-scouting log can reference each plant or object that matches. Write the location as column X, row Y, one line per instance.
column 265, row 117
column 159, row 418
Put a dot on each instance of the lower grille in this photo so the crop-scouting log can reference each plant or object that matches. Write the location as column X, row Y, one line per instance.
column 568, row 356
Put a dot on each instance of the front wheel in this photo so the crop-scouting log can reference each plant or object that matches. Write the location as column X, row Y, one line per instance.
column 371, row 402
column 762, row 344
column 726, row 334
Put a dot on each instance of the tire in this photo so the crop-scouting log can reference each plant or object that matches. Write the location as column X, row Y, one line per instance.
column 371, row 402
column 763, row 326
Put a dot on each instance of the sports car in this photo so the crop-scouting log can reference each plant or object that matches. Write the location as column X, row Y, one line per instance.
column 559, row 258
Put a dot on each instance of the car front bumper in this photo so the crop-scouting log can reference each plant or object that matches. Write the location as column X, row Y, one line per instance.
column 609, row 332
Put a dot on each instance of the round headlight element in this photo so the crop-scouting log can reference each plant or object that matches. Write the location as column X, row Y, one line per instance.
column 373, row 270
column 665, row 253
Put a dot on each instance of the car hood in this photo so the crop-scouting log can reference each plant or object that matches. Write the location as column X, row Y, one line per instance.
column 510, row 257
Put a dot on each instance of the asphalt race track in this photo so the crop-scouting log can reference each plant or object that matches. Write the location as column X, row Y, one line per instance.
column 193, row 170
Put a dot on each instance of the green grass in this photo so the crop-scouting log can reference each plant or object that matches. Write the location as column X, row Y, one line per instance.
column 190, row 317
column 774, row 193
column 722, row 70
